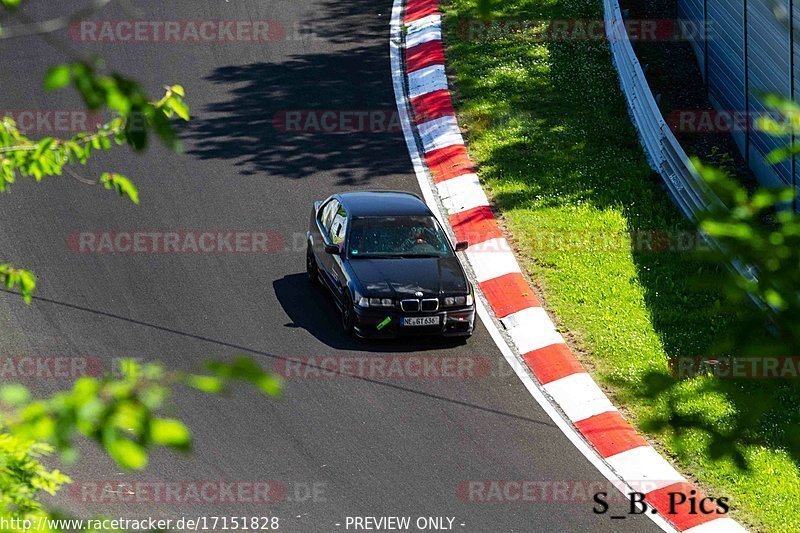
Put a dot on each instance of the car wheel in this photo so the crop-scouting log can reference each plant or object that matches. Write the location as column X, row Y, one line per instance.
column 347, row 315
column 311, row 267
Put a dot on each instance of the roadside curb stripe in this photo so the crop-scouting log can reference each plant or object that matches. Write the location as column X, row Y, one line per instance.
column 552, row 363
column 449, row 162
column 531, row 329
column 508, row 294
column 432, row 105
column 646, row 465
column 621, row 450
column 492, row 259
column 423, row 31
column 462, row 193
column 427, row 80
column 580, row 398
column 610, row 433
column 425, row 55
column 439, row 133
column 418, row 9
column 434, row 19
column 475, row 225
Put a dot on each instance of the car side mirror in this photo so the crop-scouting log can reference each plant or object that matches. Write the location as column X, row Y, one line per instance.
column 461, row 246
column 332, row 249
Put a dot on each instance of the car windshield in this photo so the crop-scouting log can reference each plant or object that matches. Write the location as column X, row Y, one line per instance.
column 401, row 236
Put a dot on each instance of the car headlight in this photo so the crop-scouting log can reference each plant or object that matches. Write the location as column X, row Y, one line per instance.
column 453, row 301
column 375, row 302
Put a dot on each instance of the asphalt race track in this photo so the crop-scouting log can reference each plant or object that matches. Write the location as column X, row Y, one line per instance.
column 374, row 445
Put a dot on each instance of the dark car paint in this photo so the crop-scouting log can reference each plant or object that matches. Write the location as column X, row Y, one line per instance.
column 384, row 203
column 401, row 278
column 391, row 278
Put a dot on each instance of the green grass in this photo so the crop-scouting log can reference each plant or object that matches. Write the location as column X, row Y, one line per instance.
column 548, row 128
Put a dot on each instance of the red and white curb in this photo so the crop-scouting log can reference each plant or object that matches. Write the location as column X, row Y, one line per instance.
column 541, row 358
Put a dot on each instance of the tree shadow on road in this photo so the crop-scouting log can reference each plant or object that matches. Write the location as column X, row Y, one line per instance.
column 248, row 126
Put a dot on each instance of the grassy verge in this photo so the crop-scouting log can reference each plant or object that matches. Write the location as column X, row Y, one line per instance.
column 548, row 128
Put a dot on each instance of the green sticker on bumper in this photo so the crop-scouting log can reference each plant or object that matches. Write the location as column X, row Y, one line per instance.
column 384, row 323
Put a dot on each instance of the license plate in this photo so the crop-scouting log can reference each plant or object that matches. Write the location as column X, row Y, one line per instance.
column 421, row 321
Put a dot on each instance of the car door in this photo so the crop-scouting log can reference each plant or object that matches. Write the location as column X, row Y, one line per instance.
column 320, row 225
column 337, row 231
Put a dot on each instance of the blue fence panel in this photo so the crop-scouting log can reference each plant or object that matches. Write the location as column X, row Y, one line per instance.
column 751, row 49
column 769, row 65
column 691, row 14
column 726, row 61
column 794, row 32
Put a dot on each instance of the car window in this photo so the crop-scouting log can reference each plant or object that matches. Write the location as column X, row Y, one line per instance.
column 339, row 226
column 328, row 211
column 405, row 236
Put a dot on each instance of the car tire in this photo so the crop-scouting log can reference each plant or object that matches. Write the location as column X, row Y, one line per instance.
column 347, row 316
column 311, row 267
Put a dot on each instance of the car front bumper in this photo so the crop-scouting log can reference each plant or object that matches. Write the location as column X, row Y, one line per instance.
column 453, row 322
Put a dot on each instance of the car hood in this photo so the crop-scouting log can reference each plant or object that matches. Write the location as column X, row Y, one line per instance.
column 401, row 278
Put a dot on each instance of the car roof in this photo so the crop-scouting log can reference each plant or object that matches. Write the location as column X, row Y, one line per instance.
column 383, row 203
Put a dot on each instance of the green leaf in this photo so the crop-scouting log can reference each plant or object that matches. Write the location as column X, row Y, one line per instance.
column 127, row 454
column 209, row 384
column 42, row 146
column 179, row 107
column 485, row 8
column 57, row 77
column 69, row 455
column 25, row 279
column 774, row 298
column 780, row 103
column 11, row 4
column 14, row 394
column 121, row 184
column 269, row 384
column 170, row 432
column 118, row 101
column 782, row 153
column 84, row 77
column 770, row 126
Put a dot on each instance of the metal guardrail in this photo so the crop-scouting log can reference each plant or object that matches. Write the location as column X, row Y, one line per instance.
column 664, row 153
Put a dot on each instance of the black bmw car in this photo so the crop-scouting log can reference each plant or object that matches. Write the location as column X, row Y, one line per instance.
column 389, row 265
